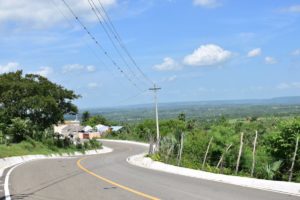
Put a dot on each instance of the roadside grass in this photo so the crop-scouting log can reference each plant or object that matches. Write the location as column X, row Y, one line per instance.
column 35, row 148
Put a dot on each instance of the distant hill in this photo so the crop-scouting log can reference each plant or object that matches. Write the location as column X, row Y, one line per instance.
column 280, row 106
column 294, row 100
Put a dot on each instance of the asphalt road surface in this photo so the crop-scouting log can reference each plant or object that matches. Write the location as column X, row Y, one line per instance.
column 109, row 176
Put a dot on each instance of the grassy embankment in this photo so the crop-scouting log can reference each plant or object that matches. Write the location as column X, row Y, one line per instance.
column 37, row 148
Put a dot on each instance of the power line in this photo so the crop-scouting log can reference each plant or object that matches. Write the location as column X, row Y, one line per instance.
column 121, row 43
column 95, row 11
column 88, row 45
column 131, row 97
column 99, row 45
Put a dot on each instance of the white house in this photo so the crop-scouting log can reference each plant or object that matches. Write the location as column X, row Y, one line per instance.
column 116, row 128
column 88, row 129
column 102, row 128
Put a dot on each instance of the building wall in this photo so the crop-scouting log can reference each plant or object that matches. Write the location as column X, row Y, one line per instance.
column 91, row 135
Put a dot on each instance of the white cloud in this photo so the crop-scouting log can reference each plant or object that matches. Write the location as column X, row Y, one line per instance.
column 286, row 86
column 13, row 66
column 72, row 67
column 270, row 60
column 254, row 53
column 93, row 85
column 170, row 79
column 292, row 9
column 77, row 67
column 43, row 14
column 207, row 3
column 207, row 55
column 168, row 65
column 296, row 52
column 44, row 71
column 283, row 86
column 9, row 67
column 90, row 68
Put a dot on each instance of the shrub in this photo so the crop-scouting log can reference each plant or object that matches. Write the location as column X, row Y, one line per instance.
column 94, row 144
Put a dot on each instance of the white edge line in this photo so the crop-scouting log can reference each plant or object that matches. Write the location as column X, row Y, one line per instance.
column 6, row 186
column 6, row 182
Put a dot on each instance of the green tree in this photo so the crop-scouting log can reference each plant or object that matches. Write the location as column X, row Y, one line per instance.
column 272, row 169
column 181, row 117
column 98, row 119
column 281, row 144
column 19, row 129
column 34, row 98
column 85, row 116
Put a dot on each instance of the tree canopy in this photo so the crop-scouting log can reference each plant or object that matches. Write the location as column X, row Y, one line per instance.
column 35, row 98
column 85, row 116
column 95, row 120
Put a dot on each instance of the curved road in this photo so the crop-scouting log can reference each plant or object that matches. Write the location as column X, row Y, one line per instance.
column 109, row 176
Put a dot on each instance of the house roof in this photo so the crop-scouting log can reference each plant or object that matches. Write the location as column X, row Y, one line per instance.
column 87, row 129
column 116, row 128
column 71, row 129
column 102, row 128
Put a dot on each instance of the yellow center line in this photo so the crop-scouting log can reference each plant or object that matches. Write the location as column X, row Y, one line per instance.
column 114, row 183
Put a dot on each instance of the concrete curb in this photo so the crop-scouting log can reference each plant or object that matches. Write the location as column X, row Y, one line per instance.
column 274, row 186
column 11, row 161
column 268, row 185
column 126, row 142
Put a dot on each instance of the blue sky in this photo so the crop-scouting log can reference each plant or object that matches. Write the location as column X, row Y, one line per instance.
column 194, row 49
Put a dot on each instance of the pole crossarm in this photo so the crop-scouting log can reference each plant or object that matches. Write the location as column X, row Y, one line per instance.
column 155, row 88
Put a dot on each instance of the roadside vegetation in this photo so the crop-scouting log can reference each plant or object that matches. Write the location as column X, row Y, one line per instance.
column 29, row 107
column 264, row 148
column 261, row 147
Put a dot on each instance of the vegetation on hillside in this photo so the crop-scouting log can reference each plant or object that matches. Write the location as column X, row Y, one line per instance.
column 88, row 120
column 198, row 111
column 29, row 107
column 219, row 141
column 262, row 147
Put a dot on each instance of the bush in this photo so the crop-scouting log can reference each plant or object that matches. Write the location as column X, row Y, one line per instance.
column 86, row 145
column 155, row 157
column 19, row 129
column 79, row 146
column 94, row 144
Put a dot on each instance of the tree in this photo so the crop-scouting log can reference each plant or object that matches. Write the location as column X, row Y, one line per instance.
column 282, row 144
column 181, row 117
column 19, row 129
column 272, row 169
column 85, row 116
column 98, row 119
column 33, row 97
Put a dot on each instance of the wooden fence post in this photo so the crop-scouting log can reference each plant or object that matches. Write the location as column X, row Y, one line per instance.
column 151, row 145
column 294, row 158
column 181, row 148
column 207, row 150
column 222, row 157
column 240, row 153
column 253, row 153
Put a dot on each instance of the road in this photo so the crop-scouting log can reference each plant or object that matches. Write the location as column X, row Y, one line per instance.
column 109, row 176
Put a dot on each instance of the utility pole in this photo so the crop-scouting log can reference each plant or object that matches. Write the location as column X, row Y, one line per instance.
column 155, row 89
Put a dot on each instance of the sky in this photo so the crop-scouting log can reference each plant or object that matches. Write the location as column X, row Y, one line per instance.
column 195, row 50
